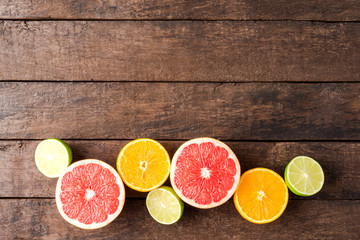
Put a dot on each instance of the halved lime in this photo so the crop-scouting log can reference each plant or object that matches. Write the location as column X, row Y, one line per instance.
column 52, row 157
column 164, row 205
column 304, row 176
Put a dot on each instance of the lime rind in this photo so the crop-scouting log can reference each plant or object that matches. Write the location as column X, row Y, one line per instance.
column 304, row 176
column 164, row 205
column 51, row 169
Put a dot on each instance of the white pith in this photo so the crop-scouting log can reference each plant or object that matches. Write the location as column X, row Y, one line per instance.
column 261, row 194
column 89, row 194
column 205, row 173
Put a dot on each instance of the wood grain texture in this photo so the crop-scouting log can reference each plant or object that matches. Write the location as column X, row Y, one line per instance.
column 313, row 219
column 246, row 111
column 179, row 51
column 323, row 10
column 340, row 161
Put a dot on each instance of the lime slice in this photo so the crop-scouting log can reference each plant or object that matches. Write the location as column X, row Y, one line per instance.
column 164, row 205
column 52, row 157
column 304, row 176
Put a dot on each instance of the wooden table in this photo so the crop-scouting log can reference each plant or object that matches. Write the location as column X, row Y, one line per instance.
column 272, row 79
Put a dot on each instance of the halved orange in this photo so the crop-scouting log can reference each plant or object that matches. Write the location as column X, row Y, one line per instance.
column 143, row 164
column 262, row 195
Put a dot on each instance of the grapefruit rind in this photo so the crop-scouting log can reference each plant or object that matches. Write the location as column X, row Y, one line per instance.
column 111, row 217
column 126, row 181
column 244, row 215
column 231, row 155
column 62, row 144
column 291, row 185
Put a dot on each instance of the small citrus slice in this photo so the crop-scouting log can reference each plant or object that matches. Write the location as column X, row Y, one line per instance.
column 90, row 194
column 262, row 195
column 304, row 176
column 143, row 164
column 52, row 157
column 164, row 205
column 204, row 172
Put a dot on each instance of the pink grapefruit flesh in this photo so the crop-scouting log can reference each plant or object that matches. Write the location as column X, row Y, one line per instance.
column 90, row 194
column 205, row 172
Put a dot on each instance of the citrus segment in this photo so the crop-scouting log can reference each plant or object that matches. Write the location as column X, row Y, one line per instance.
column 90, row 194
column 262, row 195
column 164, row 205
column 143, row 164
column 204, row 172
column 304, row 176
column 52, row 157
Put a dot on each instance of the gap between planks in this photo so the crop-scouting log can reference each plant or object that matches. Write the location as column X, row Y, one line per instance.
column 173, row 20
column 177, row 140
column 187, row 82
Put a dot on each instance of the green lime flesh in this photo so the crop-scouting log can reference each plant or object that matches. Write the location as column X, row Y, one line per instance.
column 304, row 176
column 164, row 205
column 52, row 157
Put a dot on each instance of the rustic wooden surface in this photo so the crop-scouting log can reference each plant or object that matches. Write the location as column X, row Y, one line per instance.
column 273, row 79
column 323, row 10
column 309, row 219
column 222, row 51
column 249, row 111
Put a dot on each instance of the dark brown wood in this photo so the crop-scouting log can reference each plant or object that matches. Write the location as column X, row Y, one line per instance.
column 37, row 110
column 340, row 161
column 179, row 51
column 313, row 219
column 323, row 10
column 252, row 77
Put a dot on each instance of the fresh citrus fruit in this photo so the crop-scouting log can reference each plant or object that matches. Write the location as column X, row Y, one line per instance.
column 304, row 176
column 52, row 157
column 204, row 172
column 143, row 164
column 90, row 194
column 164, row 205
column 262, row 195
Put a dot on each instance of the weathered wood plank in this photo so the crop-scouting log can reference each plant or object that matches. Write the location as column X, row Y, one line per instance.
column 179, row 51
column 329, row 10
column 36, row 110
column 313, row 219
column 340, row 161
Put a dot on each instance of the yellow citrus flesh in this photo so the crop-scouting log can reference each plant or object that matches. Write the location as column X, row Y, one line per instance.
column 262, row 195
column 143, row 164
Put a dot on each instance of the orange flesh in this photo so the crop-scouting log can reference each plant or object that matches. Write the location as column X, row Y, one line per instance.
column 144, row 165
column 262, row 195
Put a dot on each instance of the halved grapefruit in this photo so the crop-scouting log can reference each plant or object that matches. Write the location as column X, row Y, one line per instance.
column 204, row 172
column 90, row 194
